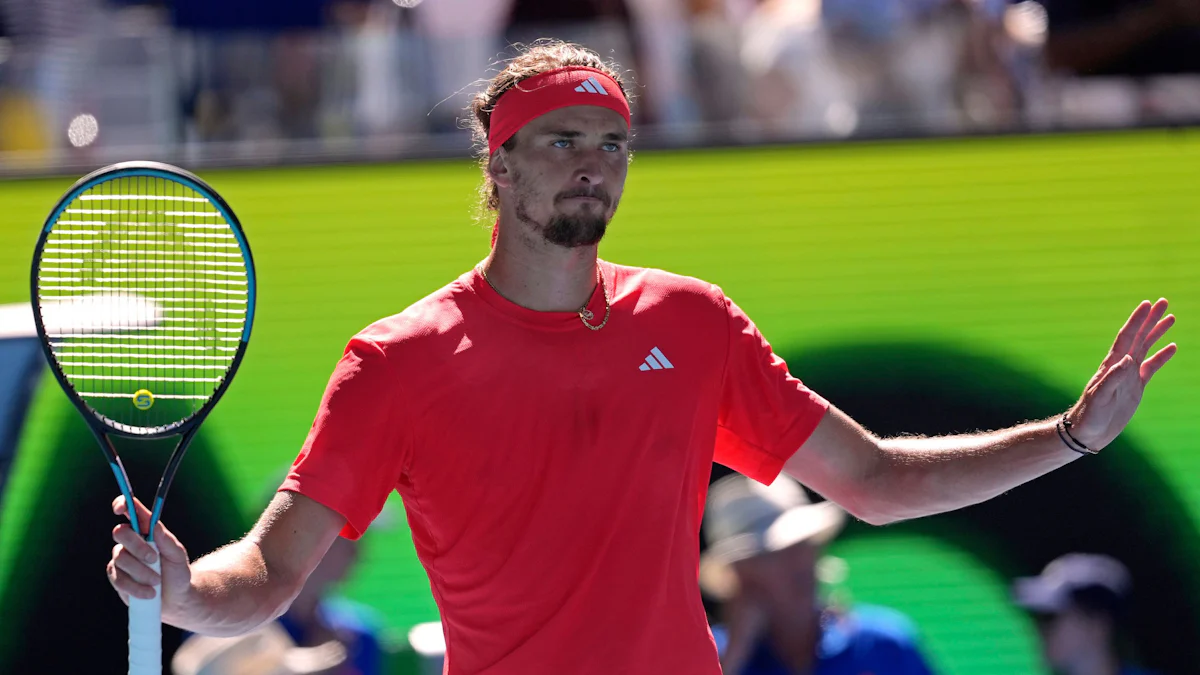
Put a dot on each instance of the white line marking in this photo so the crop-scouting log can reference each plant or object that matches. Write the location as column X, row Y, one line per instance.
column 152, row 280
column 192, row 214
column 171, row 261
column 184, row 357
column 160, row 338
column 157, row 198
column 198, row 291
column 145, row 379
column 190, row 301
column 166, row 348
column 140, row 223
column 123, row 251
column 130, row 396
column 153, row 366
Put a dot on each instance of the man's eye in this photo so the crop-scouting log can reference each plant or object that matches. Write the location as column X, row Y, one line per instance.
column 562, row 143
column 611, row 147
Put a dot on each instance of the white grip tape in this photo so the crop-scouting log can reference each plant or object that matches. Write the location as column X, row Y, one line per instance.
column 145, row 630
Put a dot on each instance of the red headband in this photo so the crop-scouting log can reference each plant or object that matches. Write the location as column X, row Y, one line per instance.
column 535, row 96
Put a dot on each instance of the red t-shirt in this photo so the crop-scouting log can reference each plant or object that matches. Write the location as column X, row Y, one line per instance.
column 554, row 477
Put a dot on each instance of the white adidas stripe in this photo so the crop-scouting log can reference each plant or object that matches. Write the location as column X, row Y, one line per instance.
column 661, row 358
column 591, row 86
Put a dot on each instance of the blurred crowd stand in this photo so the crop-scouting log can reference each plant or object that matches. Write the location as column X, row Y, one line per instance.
column 207, row 81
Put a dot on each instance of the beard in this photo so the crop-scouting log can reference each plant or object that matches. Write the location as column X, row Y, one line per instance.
column 571, row 230
column 585, row 229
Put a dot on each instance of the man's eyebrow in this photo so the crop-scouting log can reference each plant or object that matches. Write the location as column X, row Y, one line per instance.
column 567, row 133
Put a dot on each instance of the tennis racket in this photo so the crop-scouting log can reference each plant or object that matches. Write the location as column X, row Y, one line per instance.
column 143, row 294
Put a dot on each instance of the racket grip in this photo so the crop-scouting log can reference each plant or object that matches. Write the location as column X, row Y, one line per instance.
column 145, row 630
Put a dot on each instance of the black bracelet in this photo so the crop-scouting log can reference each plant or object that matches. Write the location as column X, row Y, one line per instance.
column 1063, row 426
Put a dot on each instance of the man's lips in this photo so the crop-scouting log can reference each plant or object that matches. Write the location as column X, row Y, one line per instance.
column 599, row 199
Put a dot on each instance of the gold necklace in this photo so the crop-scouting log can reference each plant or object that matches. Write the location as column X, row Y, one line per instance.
column 585, row 314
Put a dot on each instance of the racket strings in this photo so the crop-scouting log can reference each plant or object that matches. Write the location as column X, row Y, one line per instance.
column 144, row 289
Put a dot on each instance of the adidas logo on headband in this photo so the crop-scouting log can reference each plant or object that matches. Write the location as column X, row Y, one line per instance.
column 591, row 86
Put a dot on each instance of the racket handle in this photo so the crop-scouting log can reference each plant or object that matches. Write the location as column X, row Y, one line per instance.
column 145, row 630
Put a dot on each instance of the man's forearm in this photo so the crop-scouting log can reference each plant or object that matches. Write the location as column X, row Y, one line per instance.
column 233, row 591
column 916, row 476
column 884, row 480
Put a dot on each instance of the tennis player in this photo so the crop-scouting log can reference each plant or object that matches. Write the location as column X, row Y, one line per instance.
column 550, row 420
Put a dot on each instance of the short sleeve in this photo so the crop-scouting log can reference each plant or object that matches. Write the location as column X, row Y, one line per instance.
column 765, row 414
column 356, row 450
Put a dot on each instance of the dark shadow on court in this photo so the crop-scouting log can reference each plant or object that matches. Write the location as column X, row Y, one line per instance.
column 60, row 614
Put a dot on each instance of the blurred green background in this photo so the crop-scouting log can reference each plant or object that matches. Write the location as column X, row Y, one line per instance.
column 1027, row 252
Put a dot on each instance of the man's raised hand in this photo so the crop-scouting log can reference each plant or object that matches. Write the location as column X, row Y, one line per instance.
column 1114, row 392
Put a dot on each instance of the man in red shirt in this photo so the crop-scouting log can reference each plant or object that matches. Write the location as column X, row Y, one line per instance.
column 550, row 420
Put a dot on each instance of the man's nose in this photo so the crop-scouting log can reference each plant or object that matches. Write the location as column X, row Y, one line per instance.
column 590, row 170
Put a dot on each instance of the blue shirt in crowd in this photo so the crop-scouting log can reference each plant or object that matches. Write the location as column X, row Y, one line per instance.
column 868, row 640
column 353, row 622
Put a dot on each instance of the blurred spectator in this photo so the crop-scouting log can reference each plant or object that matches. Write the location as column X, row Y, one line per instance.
column 896, row 63
column 764, row 544
column 266, row 651
column 718, row 79
column 796, row 87
column 1002, row 61
column 1079, row 601
column 315, row 617
column 954, row 68
column 1123, row 37
column 384, row 81
column 840, row 67
column 461, row 38
column 253, row 71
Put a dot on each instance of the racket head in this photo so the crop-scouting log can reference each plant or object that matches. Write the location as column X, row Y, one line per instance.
column 143, row 290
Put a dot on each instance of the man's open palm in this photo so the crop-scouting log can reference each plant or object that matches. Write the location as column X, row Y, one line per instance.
column 1113, row 394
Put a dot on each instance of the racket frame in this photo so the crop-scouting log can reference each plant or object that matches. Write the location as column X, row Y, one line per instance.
column 143, row 661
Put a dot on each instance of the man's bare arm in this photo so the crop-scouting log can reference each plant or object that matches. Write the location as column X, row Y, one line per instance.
column 884, row 480
column 237, row 587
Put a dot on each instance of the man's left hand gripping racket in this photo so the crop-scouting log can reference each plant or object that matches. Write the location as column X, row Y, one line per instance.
column 143, row 294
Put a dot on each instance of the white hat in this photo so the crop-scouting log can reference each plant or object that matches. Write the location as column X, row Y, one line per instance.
column 744, row 518
column 268, row 650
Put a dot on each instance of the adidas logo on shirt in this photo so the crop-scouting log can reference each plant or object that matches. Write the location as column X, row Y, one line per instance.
column 591, row 86
column 656, row 361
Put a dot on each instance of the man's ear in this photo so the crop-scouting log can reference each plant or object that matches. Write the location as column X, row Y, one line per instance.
column 499, row 169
